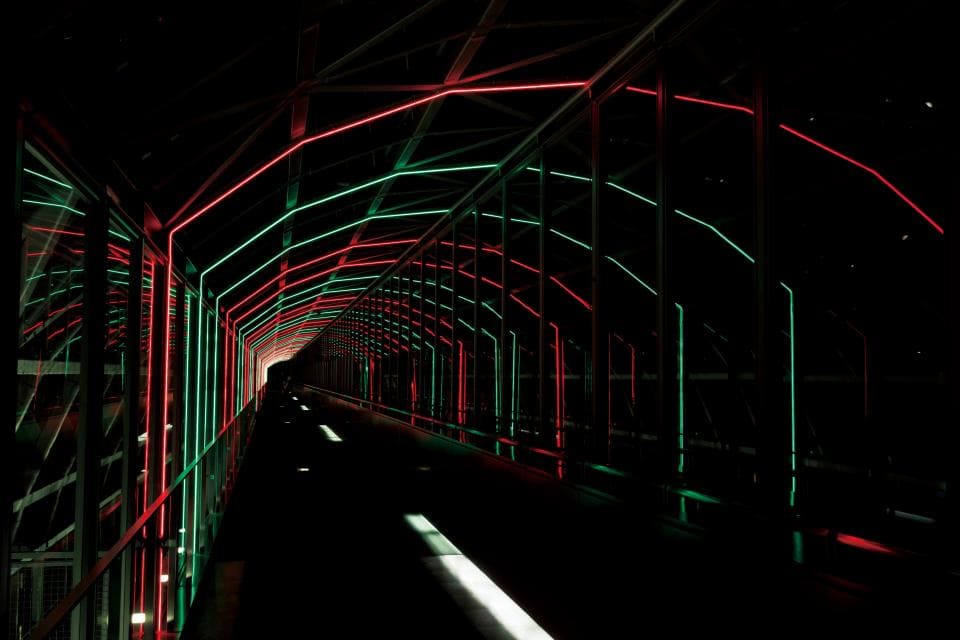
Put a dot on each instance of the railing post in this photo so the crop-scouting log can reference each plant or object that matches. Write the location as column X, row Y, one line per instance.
column 90, row 429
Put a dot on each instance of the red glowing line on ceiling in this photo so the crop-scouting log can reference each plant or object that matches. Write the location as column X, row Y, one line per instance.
column 525, row 305
column 300, row 144
column 290, row 285
column 820, row 145
column 573, row 295
column 367, row 120
column 49, row 230
column 313, row 261
column 294, row 313
column 876, row 174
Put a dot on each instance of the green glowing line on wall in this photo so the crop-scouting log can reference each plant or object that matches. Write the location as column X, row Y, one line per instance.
column 680, row 384
column 48, row 178
column 793, row 397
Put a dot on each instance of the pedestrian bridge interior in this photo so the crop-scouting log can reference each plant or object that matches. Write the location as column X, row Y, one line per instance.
column 482, row 318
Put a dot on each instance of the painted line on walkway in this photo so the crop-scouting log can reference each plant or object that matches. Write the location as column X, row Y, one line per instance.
column 330, row 433
column 493, row 611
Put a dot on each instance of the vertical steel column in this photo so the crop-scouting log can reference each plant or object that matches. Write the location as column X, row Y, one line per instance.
column 129, row 466
column 774, row 439
column 599, row 342
column 155, row 440
column 454, row 359
column 950, row 522
column 7, row 460
column 476, row 315
column 506, row 399
column 90, row 430
column 543, row 406
column 666, row 332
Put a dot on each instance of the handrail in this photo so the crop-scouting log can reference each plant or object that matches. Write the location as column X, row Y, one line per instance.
column 46, row 626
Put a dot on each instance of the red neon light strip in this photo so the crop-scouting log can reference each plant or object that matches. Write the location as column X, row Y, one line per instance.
column 363, row 121
column 863, row 543
column 573, row 295
column 523, row 304
column 823, row 147
column 325, row 134
column 49, row 230
column 310, row 278
column 876, row 174
column 332, row 254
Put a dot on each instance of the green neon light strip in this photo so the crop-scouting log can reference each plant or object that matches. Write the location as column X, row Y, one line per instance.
column 631, row 193
column 270, row 336
column 56, row 205
column 301, row 297
column 340, row 194
column 793, row 400
column 324, row 200
column 521, row 220
column 278, row 329
column 632, row 275
column 680, row 383
column 573, row 240
column 48, row 178
column 321, row 236
column 718, row 233
column 314, row 315
column 492, row 310
column 325, row 234
column 186, row 441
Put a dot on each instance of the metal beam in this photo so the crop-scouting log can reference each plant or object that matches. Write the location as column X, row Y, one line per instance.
column 460, row 63
column 599, row 332
column 368, row 44
column 774, row 441
column 547, row 55
column 607, row 78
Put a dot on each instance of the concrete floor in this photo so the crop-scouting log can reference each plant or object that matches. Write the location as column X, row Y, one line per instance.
column 314, row 544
